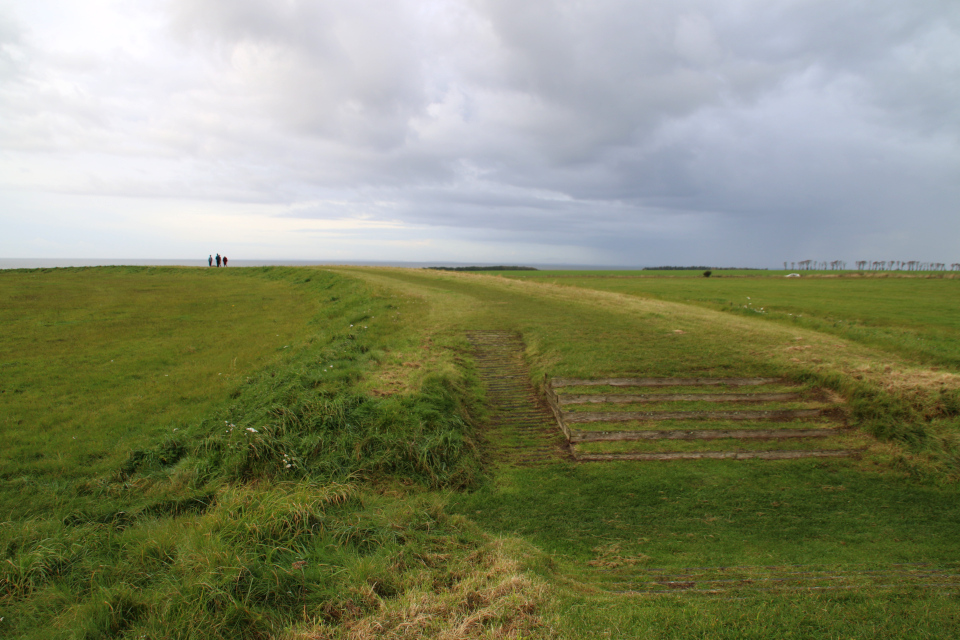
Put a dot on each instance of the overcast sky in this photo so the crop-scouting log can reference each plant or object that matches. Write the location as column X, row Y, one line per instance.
column 631, row 132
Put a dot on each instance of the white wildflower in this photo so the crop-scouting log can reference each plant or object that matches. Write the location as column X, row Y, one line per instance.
column 252, row 430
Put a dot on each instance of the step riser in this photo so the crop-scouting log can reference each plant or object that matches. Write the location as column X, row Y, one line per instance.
column 713, row 455
column 715, row 434
column 663, row 382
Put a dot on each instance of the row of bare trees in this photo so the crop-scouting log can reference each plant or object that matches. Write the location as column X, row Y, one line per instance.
column 806, row 265
column 875, row 265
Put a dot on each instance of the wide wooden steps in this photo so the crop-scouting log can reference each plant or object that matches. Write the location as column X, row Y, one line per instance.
column 699, row 418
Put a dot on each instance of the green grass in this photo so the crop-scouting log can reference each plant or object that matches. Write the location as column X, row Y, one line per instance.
column 170, row 517
column 342, row 482
column 748, row 513
column 841, row 512
column 96, row 364
column 915, row 316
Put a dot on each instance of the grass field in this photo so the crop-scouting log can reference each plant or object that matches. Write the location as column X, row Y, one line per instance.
column 916, row 315
column 320, row 465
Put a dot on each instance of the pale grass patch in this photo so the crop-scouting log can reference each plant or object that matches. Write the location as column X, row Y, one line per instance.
column 612, row 556
column 491, row 598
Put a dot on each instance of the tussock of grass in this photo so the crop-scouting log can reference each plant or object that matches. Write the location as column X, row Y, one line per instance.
column 923, row 424
column 488, row 595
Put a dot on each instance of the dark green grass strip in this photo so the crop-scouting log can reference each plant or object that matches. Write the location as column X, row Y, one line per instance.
column 747, row 580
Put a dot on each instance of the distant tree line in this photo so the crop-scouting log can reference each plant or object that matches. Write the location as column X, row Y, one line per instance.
column 701, row 268
column 497, row 268
column 872, row 265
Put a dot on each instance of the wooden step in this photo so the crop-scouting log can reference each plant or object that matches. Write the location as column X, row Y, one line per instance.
column 679, row 397
column 703, row 434
column 717, row 455
column 557, row 383
column 643, row 416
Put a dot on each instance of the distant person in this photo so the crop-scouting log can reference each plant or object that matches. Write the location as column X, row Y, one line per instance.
column 218, row 259
column 210, row 260
column 224, row 260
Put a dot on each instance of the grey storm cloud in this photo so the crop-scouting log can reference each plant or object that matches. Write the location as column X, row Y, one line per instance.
column 743, row 131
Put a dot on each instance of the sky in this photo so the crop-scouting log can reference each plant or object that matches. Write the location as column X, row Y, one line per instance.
column 607, row 132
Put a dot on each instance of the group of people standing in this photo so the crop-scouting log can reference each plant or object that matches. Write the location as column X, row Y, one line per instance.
column 219, row 260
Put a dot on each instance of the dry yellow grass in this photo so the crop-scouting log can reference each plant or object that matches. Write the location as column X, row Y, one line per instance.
column 490, row 597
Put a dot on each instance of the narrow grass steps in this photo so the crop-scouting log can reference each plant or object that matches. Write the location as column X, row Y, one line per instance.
column 699, row 418
column 521, row 430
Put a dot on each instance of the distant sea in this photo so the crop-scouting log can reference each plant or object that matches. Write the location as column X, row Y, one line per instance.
column 49, row 263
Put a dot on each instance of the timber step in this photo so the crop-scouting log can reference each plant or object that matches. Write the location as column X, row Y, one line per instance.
column 702, row 434
column 521, row 431
column 661, row 382
column 718, row 455
column 626, row 416
column 687, row 397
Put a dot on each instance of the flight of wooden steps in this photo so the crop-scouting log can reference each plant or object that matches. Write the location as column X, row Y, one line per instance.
column 697, row 418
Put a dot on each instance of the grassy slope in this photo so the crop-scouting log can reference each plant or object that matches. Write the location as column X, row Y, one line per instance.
column 843, row 513
column 315, row 550
column 290, row 494
column 98, row 363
